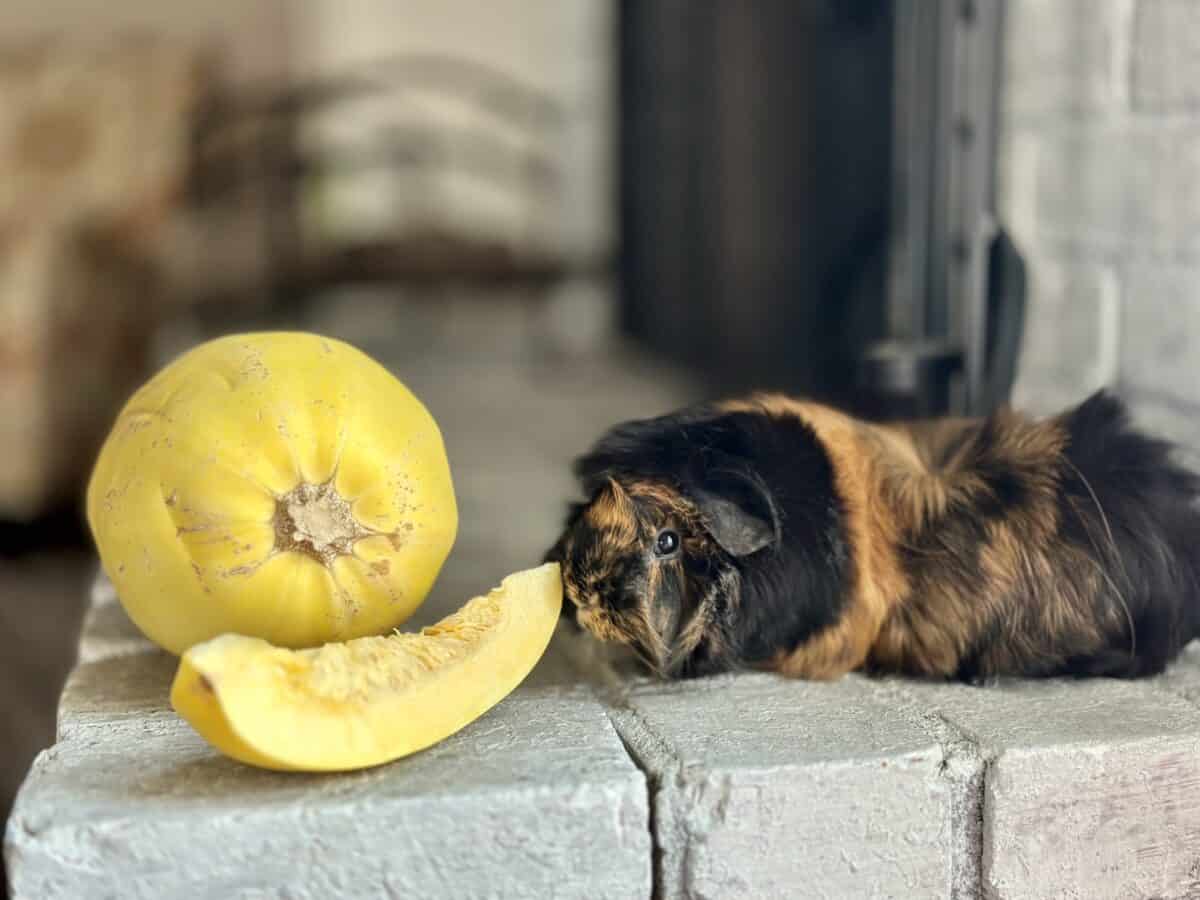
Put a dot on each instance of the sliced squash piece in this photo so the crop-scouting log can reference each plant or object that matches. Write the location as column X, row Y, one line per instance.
column 370, row 700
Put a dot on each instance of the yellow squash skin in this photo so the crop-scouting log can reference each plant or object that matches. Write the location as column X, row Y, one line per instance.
column 372, row 700
column 280, row 485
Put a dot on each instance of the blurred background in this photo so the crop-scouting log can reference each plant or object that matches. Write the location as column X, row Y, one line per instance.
column 546, row 216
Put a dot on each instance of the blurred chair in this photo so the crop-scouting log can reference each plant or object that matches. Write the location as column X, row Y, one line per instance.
column 94, row 149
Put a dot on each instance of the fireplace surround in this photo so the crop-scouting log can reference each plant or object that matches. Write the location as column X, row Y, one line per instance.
column 808, row 199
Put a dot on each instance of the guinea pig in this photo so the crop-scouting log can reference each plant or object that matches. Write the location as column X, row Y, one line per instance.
column 771, row 533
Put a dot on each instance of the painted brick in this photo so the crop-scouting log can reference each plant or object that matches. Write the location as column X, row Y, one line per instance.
column 1160, row 334
column 1062, row 56
column 765, row 787
column 1121, row 188
column 1091, row 787
column 1166, row 55
column 537, row 798
column 1016, row 183
column 1071, row 333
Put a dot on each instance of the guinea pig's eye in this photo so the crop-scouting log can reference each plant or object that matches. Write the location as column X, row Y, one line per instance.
column 667, row 543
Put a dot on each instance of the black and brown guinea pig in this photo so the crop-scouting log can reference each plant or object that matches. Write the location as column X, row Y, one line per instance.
column 771, row 533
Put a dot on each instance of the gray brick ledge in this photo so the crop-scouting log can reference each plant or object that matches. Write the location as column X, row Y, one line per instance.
column 1091, row 788
column 965, row 769
column 764, row 787
column 536, row 798
column 590, row 781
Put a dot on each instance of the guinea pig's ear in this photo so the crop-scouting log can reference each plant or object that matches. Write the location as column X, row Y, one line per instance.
column 737, row 511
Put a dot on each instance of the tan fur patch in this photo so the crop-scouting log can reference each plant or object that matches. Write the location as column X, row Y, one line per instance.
column 599, row 624
column 668, row 502
column 614, row 515
column 1021, row 555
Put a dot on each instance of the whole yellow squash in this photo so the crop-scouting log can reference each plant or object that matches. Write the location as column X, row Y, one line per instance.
column 279, row 485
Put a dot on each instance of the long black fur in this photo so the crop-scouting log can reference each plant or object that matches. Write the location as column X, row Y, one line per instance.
column 1151, row 520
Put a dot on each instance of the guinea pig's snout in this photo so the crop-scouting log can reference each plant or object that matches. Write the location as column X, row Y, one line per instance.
column 599, row 624
column 584, row 604
column 579, row 591
column 599, row 591
column 583, row 599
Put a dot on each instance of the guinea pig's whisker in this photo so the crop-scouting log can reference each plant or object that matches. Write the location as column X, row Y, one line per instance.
column 648, row 661
column 1115, row 555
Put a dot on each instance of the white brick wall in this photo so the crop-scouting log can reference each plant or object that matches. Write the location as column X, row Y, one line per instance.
column 1100, row 182
column 1057, row 68
column 1166, row 56
column 1072, row 334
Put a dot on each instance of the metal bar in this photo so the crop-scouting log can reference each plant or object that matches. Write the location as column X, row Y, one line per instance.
column 912, row 167
column 976, row 64
column 945, row 187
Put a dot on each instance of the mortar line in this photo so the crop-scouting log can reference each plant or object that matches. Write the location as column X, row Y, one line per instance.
column 627, row 721
column 613, row 693
column 958, row 746
column 652, row 788
column 629, row 724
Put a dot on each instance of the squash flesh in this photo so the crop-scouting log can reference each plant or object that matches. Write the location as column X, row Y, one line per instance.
column 370, row 700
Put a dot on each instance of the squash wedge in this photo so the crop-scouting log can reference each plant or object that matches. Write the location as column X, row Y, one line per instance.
column 370, row 700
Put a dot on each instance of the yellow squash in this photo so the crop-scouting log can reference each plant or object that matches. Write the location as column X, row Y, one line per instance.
column 280, row 485
column 371, row 700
